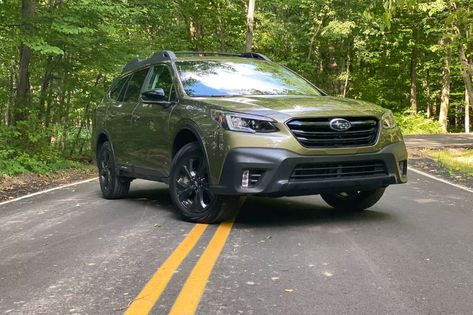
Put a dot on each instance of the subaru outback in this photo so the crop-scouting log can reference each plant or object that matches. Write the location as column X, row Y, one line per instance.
column 217, row 126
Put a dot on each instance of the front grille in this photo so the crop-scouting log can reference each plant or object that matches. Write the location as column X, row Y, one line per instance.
column 336, row 170
column 316, row 132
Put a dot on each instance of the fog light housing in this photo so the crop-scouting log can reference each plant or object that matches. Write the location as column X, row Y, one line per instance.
column 245, row 179
column 403, row 167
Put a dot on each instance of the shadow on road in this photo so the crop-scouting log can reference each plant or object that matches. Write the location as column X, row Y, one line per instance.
column 258, row 211
column 282, row 211
column 157, row 197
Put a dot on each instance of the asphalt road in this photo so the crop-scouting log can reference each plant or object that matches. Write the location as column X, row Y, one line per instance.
column 440, row 141
column 70, row 251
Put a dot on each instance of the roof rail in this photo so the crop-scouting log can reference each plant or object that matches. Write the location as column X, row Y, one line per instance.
column 166, row 55
column 244, row 55
column 255, row 56
column 205, row 53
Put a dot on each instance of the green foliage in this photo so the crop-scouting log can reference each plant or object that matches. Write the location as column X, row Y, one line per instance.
column 362, row 49
column 13, row 162
column 338, row 29
column 414, row 124
column 40, row 46
column 23, row 151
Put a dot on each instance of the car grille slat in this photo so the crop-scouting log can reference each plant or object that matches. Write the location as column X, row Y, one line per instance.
column 312, row 140
column 317, row 171
column 335, row 174
column 316, row 132
column 330, row 133
column 328, row 167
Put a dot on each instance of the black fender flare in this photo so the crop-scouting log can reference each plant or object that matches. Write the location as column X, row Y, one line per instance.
column 189, row 125
column 109, row 139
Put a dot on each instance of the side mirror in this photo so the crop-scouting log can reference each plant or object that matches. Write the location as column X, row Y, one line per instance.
column 154, row 95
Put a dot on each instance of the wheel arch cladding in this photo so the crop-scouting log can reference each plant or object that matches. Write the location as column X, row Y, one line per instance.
column 183, row 137
column 187, row 135
column 101, row 139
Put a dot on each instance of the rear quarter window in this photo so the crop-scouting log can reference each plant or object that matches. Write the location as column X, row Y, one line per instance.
column 117, row 88
column 134, row 85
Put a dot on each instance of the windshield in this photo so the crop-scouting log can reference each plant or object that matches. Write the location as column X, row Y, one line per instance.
column 229, row 78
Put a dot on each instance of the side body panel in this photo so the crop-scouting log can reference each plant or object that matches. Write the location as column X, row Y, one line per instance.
column 151, row 135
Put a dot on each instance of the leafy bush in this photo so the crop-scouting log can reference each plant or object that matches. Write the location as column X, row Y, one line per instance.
column 24, row 148
column 413, row 124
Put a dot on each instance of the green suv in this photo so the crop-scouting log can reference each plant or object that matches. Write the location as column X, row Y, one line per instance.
column 218, row 126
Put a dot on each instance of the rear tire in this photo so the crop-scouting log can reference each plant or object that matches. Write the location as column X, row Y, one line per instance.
column 354, row 201
column 112, row 185
column 189, row 189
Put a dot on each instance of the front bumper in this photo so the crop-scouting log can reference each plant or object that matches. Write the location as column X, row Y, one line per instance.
column 278, row 166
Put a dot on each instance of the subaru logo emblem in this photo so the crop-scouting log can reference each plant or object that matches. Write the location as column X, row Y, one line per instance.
column 339, row 124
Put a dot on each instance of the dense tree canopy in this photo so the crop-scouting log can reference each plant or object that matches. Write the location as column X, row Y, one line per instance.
column 58, row 57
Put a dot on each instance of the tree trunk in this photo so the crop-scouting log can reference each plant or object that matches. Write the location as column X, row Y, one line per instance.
column 347, row 75
column 465, row 71
column 467, row 112
column 312, row 39
column 468, row 99
column 429, row 108
column 23, row 97
column 66, row 122
column 194, row 33
column 445, row 96
column 413, row 95
column 250, row 23
column 48, row 108
column 45, row 86
column 11, row 94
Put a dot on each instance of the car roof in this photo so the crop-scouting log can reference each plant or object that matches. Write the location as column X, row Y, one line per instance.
column 167, row 55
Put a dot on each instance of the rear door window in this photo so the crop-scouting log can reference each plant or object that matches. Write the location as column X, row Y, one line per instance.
column 134, row 85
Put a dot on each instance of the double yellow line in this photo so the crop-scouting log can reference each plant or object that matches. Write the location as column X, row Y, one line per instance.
column 191, row 293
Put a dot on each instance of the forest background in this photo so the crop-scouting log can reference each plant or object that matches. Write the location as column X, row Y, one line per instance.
column 58, row 57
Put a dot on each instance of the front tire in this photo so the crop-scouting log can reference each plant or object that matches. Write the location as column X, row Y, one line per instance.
column 189, row 189
column 112, row 185
column 354, row 201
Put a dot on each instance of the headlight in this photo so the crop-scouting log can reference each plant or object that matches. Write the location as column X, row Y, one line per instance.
column 244, row 123
column 388, row 120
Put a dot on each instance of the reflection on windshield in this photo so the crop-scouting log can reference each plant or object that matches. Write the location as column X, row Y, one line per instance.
column 221, row 78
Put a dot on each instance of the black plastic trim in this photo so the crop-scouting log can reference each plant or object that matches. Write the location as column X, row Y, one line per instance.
column 279, row 164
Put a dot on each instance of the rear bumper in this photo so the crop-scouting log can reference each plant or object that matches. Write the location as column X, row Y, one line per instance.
column 278, row 165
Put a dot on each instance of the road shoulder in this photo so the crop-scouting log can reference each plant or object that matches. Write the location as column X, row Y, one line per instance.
column 421, row 147
column 12, row 187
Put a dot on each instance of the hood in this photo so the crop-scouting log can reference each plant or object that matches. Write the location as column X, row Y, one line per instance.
column 282, row 108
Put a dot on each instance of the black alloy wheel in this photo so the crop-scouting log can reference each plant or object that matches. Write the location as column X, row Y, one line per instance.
column 192, row 185
column 112, row 185
column 189, row 188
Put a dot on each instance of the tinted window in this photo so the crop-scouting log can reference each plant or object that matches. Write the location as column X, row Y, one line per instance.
column 247, row 77
column 117, row 87
column 134, row 85
column 161, row 78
